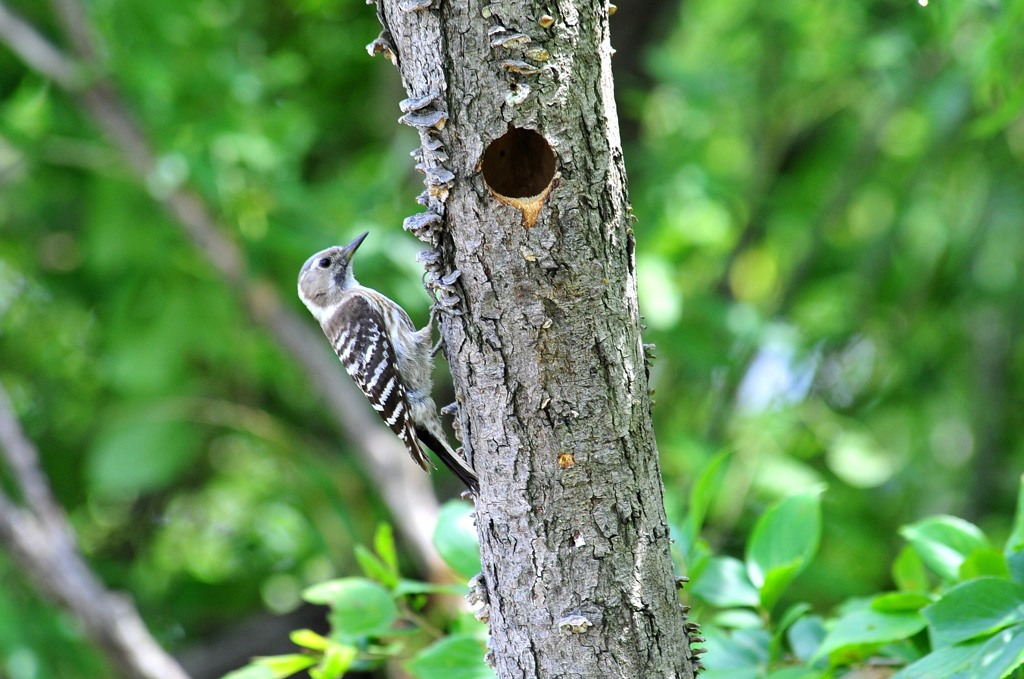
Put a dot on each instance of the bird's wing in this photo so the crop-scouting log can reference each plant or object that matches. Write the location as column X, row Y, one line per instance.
column 359, row 337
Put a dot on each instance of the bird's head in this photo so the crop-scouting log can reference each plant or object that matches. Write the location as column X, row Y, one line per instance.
column 326, row 274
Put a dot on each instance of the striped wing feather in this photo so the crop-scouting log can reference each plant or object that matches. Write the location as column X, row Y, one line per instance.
column 360, row 339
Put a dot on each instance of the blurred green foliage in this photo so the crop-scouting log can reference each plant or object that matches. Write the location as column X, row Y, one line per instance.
column 830, row 255
column 830, row 200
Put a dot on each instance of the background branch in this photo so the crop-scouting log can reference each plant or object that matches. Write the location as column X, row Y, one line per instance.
column 37, row 53
column 405, row 489
column 44, row 547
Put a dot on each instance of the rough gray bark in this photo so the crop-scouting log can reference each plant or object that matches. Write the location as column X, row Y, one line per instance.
column 527, row 213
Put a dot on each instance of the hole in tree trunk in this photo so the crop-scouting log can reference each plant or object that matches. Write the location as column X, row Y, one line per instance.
column 518, row 164
column 519, row 169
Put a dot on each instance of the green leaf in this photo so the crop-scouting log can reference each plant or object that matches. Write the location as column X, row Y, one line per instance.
column 779, row 629
column 417, row 587
column 374, row 568
column 705, row 489
column 251, row 671
column 324, row 593
column 738, row 618
column 792, row 614
column 777, row 580
column 732, row 673
column 794, row 673
column 805, row 636
column 382, row 564
column 359, row 607
column 307, row 638
column 858, row 632
column 384, row 545
column 981, row 562
column 724, row 583
column 286, row 665
column 943, row 542
column 944, row 663
column 456, row 539
column 975, row 608
column 900, row 602
column 908, row 571
column 1015, row 541
column 1015, row 564
column 742, row 649
column 783, row 542
column 337, row 660
column 455, row 657
column 1002, row 654
column 993, row 658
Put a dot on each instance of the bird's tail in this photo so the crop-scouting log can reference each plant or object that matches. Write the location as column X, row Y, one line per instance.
column 450, row 458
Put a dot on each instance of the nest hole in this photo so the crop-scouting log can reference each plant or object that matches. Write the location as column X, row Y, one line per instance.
column 518, row 164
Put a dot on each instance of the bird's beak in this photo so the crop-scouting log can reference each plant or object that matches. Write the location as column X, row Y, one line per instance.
column 351, row 248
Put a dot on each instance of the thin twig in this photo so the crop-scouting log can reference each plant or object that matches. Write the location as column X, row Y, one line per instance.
column 78, row 28
column 22, row 460
column 36, row 51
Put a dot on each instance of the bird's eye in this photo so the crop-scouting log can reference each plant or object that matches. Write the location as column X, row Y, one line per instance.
column 324, row 263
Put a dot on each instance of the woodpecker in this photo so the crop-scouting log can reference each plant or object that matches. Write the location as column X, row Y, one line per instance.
column 389, row 359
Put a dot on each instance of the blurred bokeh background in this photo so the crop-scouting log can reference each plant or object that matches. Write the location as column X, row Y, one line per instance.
column 830, row 204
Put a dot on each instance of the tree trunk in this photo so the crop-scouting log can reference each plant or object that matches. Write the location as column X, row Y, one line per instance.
column 527, row 213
